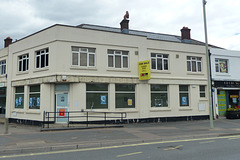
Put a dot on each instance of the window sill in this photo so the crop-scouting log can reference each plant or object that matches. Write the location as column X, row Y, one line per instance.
column 185, row 109
column 2, row 75
column 222, row 74
column 161, row 71
column 203, row 99
column 154, row 109
column 83, row 68
column 33, row 112
column 18, row 110
column 96, row 110
column 195, row 73
column 128, row 110
column 23, row 72
column 118, row 70
column 40, row 69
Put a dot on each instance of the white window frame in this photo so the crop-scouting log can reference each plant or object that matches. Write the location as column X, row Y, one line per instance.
column 86, row 51
column 161, row 57
column 39, row 54
column 122, row 56
column 3, row 67
column 200, row 92
column 219, row 68
column 21, row 60
column 184, row 92
column 191, row 59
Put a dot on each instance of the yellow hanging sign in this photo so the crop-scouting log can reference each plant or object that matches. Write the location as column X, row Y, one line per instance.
column 144, row 70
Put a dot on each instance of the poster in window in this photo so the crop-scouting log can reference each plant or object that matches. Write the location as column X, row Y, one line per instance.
column 158, row 102
column 61, row 113
column 30, row 102
column 103, row 100
column 16, row 102
column 184, row 100
column 19, row 101
column 38, row 101
column 223, row 66
column 129, row 102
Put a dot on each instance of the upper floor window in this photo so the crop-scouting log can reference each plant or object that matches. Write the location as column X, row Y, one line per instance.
column 159, row 61
column 194, row 64
column 2, row 67
column 23, row 63
column 221, row 65
column 118, row 59
column 83, row 56
column 42, row 58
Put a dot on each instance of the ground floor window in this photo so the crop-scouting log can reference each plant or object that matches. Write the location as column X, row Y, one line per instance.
column 34, row 97
column 97, row 96
column 202, row 90
column 2, row 100
column 125, row 95
column 159, row 95
column 19, row 97
column 184, row 95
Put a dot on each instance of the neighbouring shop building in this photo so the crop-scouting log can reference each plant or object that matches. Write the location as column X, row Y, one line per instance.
column 3, row 80
column 89, row 67
column 225, row 80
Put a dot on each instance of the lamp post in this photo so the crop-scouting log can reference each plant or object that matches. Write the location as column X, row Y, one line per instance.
column 208, row 66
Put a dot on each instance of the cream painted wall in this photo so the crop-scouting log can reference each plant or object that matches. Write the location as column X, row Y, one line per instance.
column 59, row 40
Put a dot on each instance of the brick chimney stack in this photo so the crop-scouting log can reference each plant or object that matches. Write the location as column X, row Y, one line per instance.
column 186, row 33
column 124, row 23
column 7, row 41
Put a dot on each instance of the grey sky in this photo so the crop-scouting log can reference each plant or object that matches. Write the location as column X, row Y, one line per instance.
column 20, row 18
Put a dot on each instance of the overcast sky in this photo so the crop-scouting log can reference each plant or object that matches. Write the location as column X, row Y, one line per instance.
column 19, row 18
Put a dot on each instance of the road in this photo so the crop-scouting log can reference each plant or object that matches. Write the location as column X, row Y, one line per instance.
column 214, row 148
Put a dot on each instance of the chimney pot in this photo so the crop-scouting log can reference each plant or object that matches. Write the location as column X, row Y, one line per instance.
column 124, row 23
column 186, row 33
column 7, row 42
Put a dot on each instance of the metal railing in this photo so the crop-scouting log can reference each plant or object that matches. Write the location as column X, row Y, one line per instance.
column 82, row 117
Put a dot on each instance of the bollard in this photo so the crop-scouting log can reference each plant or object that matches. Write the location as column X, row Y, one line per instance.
column 6, row 126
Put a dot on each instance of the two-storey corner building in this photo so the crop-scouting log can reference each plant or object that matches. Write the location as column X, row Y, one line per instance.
column 89, row 67
column 225, row 79
column 3, row 75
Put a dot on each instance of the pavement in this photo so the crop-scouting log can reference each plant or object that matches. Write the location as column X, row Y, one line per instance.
column 29, row 139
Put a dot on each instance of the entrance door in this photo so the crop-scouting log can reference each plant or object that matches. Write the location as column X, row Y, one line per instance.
column 62, row 107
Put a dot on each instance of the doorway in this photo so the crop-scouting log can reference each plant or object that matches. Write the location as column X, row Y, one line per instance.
column 62, row 102
column 62, row 107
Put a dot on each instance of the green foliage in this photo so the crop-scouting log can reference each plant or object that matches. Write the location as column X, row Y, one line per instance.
column 233, row 109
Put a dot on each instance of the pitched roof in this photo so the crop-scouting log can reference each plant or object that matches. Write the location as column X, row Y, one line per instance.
column 149, row 35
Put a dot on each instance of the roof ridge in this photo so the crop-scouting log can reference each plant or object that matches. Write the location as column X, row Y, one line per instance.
column 82, row 25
